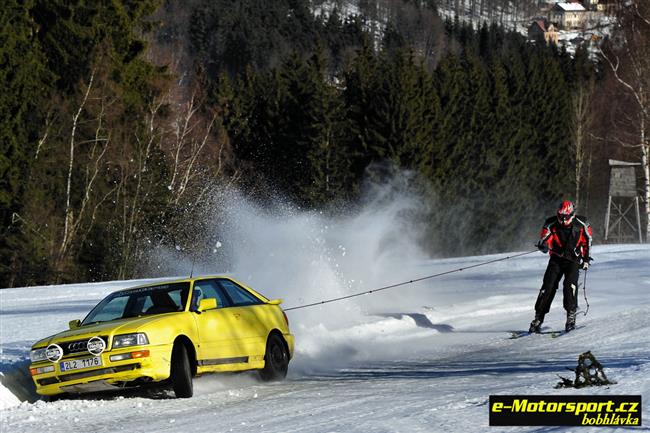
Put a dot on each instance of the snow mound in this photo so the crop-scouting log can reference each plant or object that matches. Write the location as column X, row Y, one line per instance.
column 16, row 384
column 7, row 398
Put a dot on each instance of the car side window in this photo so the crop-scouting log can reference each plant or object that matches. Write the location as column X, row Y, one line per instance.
column 206, row 289
column 238, row 295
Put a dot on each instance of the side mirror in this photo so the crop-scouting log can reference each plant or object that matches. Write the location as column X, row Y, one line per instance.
column 74, row 324
column 207, row 304
column 276, row 301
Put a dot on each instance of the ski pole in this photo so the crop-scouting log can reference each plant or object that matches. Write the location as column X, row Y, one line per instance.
column 584, row 292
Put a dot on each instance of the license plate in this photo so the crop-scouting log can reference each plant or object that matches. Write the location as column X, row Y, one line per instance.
column 78, row 364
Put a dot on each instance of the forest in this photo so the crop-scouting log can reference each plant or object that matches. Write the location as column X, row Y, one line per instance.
column 120, row 121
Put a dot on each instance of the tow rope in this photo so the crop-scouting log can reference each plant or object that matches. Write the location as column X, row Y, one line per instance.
column 392, row 286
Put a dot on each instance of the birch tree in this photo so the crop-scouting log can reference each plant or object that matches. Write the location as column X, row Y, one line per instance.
column 582, row 118
column 134, row 189
column 86, row 161
column 177, row 160
column 189, row 142
column 628, row 57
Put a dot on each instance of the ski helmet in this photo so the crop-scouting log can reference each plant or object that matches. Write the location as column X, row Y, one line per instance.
column 566, row 213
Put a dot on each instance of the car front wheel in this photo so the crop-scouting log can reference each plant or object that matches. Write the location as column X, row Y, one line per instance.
column 181, row 373
column 276, row 360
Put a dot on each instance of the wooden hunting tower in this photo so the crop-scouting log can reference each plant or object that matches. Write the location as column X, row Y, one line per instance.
column 623, row 203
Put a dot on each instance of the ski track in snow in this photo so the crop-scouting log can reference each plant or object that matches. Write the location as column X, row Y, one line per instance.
column 424, row 358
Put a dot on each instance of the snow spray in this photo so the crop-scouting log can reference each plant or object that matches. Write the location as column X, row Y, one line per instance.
column 301, row 256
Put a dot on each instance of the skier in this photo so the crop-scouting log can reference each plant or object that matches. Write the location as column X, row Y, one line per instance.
column 567, row 238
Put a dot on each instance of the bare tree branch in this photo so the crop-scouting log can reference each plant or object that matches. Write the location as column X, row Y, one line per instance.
column 68, row 211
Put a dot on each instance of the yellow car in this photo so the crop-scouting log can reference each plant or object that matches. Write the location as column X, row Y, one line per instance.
column 168, row 332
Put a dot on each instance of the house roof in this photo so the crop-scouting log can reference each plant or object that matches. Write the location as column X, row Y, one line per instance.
column 543, row 25
column 540, row 24
column 570, row 7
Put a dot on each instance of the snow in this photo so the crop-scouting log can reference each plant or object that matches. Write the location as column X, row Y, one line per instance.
column 7, row 398
column 379, row 374
column 516, row 16
column 511, row 15
column 344, row 9
column 421, row 358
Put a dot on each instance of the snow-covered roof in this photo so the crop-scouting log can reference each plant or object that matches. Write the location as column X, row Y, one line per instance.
column 571, row 7
column 623, row 163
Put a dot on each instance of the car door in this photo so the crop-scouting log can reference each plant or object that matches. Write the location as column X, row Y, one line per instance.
column 218, row 343
column 247, row 312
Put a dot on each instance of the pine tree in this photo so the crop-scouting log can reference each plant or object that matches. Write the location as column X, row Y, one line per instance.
column 452, row 85
column 25, row 82
column 360, row 81
column 480, row 121
column 330, row 176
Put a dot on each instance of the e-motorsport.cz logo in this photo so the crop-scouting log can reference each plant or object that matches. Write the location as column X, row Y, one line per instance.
column 565, row 410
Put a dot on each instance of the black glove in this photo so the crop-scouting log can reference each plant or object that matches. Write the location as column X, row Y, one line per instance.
column 542, row 247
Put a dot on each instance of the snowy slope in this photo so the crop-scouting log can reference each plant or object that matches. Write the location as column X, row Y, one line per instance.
column 424, row 358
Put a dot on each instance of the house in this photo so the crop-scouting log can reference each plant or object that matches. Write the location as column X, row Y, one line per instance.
column 568, row 15
column 541, row 30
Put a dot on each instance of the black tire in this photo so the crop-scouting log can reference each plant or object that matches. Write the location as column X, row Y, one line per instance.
column 276, row 359
column 55, row 397
column 181, row 372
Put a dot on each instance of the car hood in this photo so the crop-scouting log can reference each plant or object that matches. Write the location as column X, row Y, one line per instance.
column 114, row 327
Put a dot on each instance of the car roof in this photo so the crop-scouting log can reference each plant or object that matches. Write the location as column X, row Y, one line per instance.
column 173, row 281
column 198, row 278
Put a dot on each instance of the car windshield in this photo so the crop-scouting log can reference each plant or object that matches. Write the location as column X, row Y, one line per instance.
column 142, row 301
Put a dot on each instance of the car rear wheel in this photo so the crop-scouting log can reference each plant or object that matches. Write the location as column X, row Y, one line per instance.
column 276, row 359
column 181, row 373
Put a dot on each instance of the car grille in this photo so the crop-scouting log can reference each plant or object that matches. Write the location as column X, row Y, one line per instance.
column 78, row 346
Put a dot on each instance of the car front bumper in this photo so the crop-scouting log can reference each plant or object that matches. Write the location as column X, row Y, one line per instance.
column 154, row 367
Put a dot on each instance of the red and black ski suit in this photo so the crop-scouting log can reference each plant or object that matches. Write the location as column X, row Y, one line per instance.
column 568, row 247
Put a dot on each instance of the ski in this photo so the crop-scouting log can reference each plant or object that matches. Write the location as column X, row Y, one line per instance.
column 545, row 331
column 561, row 333
column 518, row 334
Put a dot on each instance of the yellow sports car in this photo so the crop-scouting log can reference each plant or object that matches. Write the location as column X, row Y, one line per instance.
column 169, row 331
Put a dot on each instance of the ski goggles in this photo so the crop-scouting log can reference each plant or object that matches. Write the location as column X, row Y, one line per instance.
column 564, row 218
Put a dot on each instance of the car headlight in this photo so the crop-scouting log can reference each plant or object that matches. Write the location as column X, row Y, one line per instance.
column 37, row 355
column 126, row 340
